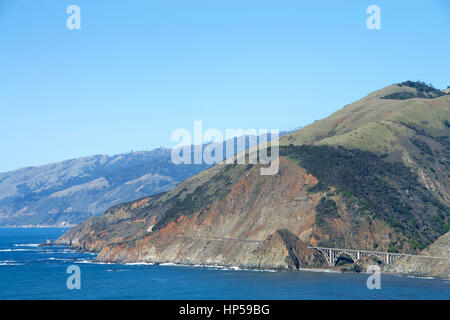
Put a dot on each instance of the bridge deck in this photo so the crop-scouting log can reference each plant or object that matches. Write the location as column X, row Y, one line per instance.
column 379, row 253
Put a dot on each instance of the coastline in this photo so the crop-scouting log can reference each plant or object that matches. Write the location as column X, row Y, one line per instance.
column 210, row 266
column 93, row 260
column 236, row 268
column 221, row 267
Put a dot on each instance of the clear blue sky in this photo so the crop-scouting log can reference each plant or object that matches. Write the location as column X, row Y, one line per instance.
column 137, row 70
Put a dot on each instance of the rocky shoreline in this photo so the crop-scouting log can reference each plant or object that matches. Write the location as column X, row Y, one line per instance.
column 356, row 267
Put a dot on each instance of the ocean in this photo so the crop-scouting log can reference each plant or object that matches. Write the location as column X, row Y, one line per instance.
column 28, row 271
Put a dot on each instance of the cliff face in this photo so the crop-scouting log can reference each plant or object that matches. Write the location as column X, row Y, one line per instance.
column 229, row 230
column 374, row 175
column 427, row 267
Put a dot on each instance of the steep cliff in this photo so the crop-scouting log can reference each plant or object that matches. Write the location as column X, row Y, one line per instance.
column 223, row 216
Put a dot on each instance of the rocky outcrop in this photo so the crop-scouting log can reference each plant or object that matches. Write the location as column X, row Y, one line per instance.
column 439, row 266
column 284, row 250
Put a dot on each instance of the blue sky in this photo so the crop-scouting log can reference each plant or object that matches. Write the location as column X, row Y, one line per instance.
column 137, row 70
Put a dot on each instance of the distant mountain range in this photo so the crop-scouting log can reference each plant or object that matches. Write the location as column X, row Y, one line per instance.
column 373, row 175
column 68, row 192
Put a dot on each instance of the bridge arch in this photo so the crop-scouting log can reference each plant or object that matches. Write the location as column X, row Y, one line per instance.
column 344, row 253
column 372, row 254
column 326, row 254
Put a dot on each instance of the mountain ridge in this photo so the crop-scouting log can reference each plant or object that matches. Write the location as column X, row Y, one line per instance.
column 66, row 193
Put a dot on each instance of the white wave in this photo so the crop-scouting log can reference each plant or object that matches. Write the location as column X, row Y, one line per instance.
column 11, row 264
column 215, row 267
column 58, row 259
column 235, row 268
column 319, row 270
column 56, row 251
column 91, row 262
column 421, row 277
column 84, row 261
column 9, row 250
column 169, row 264
column 27, row 245
column 139, row 264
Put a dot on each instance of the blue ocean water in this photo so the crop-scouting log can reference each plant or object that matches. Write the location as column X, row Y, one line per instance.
column 31, row 272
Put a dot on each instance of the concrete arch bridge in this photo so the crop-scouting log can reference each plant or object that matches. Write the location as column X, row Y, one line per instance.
column 333, row 254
